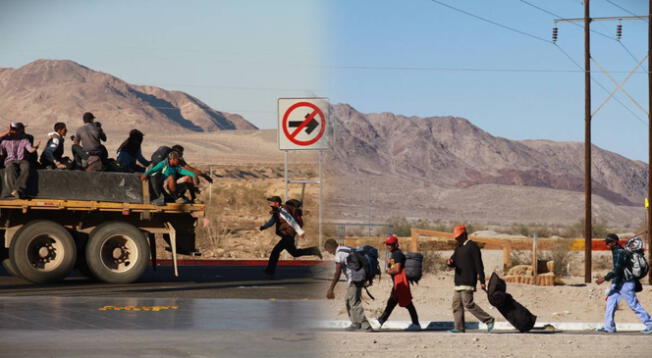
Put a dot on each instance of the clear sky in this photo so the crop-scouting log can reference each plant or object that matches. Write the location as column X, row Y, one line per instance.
column 413, row 57
column 235, row 55
column 379, row 37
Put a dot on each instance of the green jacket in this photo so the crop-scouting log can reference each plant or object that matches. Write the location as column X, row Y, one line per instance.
column 167, row 170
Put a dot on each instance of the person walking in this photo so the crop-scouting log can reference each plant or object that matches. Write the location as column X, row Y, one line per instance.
column 287, row 228
column 354, row 291
column 467, row 261
column 14, row 148
column 400, row 294
column 622, row 286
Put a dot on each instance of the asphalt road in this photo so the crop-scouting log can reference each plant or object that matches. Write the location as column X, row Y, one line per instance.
column 290, row 283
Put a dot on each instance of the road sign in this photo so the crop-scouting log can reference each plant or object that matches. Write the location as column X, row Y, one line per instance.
column 302, row 123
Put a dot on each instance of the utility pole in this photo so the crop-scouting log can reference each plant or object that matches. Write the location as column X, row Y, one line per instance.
column 588, row 228
column 588, row 235
column 649, row 159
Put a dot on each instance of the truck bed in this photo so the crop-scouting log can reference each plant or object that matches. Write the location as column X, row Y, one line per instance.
column 89, row 205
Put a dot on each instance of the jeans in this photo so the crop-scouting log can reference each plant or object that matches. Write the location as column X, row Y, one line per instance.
column 627, row 292
column 16, row 175
column 287, row 243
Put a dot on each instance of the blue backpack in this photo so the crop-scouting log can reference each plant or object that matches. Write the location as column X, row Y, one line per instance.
column 363, row 263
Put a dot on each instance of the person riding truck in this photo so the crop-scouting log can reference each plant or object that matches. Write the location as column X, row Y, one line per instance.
column 172, row 174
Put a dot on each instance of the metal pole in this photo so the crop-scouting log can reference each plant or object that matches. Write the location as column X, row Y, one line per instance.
column 587, row 144
column 286, row 176
column 321, row 199
column 649, row 159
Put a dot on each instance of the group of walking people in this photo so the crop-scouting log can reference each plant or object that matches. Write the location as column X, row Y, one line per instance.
column 466, row 260
column 469, row 269
column 172, row 176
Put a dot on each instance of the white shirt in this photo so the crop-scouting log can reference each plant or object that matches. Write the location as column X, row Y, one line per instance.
column 341, row 254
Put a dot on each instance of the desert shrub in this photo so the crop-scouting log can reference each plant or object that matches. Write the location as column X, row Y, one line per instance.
column 599, row 228
column 560, row 253
column 433, row 261
column 521, row 257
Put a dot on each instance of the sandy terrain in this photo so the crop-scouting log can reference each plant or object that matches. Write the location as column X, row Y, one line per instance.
column 503, row 345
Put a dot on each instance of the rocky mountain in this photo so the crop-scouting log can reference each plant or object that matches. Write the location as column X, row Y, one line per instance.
column 444, row 158
column 46, row 91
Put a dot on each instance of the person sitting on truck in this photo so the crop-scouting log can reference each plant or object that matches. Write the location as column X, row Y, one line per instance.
column 52, row 156
column 88, row 151
column 130, row 154
column 15, row 148
column 175, row 178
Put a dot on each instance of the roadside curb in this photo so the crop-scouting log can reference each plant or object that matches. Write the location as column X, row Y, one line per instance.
column 499, row 326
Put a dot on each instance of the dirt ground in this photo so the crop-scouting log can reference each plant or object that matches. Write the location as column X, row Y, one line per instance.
column 503, row 345
column 575, row 302
column 432, row 298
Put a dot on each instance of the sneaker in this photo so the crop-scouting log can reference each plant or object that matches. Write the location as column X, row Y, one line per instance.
column 353, row 328
column 381, row 322
column 648, row 330
column 413, row 328
column 455, row 330
column 490, row 325
column 603, row 330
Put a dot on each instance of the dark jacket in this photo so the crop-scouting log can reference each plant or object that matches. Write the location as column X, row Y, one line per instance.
column 467, row 261
column 53, row 151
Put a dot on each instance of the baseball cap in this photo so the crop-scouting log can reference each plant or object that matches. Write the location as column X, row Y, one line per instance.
column 459, row 230
column 275, row 198
column 391, row 240
column 17, row 125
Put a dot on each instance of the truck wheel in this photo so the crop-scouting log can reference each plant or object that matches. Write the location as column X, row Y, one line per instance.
column 43, row 251
column 10, row 267
column 117, row 252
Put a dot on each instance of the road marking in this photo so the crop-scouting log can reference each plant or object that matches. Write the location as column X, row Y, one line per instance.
column 138, row 308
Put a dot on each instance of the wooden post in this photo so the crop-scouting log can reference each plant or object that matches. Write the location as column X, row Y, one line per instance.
column 507, row 257
column 414, row 247
column 534, row 257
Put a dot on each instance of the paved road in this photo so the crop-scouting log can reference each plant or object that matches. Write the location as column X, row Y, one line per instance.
column 292, row 282
column 209, row 311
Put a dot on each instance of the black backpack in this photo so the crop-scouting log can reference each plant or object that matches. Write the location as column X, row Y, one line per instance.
column 413, row 267
column 160, row 154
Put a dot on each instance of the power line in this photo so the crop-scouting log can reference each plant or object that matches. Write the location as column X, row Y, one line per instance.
column 556, row 15
column 540, row 39
column 624, row 9
column 492, row 22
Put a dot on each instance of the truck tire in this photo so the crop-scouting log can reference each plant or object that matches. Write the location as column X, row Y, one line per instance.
column 43, row 251
column 117, row 252
column 10, row 267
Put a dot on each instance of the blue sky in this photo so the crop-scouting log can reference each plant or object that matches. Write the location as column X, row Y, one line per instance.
column 516, row 105
column 241, row 55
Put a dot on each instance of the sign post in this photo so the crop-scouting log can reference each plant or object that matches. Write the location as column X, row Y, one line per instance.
column 303, row 125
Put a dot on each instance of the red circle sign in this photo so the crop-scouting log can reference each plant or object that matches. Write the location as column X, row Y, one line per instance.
column 293, row 135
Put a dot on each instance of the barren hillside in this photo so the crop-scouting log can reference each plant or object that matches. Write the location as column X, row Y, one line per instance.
column 47, row 91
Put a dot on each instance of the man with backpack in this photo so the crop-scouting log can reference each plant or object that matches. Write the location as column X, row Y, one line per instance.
column 624, row 284
column 467, row 261
column 288, row 222
column 354, row 291
column 400, row 294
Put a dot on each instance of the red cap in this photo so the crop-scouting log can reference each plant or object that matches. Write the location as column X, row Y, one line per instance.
column 459, row 230
column 391, row 240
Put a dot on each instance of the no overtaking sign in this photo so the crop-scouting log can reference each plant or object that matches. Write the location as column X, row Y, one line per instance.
column 302, row 123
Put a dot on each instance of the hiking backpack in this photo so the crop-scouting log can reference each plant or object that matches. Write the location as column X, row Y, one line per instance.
column 413, row 266
column 637, row 266
column 363, row 264
column 160, row 154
